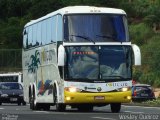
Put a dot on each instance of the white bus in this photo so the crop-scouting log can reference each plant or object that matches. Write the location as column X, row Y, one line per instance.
column 79, row 56
column 11, row 77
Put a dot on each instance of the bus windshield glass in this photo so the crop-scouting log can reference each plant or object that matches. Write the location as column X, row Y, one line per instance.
column 95, row 28
column 98, row 63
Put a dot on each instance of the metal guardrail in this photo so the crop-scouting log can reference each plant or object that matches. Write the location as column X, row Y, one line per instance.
column 10, row 60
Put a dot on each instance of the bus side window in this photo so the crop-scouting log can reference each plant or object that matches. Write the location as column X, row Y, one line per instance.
column 59, row 28
column 43, row 32
column 48, row 39
column 30, row 37
column 38, row 34
column 53, row 29
column 34, row 37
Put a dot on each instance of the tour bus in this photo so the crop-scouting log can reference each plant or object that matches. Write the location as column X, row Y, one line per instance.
column 78, row 56
column 11, row 77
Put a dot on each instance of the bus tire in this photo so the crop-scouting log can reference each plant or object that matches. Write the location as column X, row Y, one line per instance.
column 24, row 103
column 46, row 107
column 33, row 105
column 54, row 95
column 115, row 107
column 59, row 106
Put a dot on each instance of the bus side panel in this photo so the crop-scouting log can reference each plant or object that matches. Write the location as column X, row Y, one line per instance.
column 41, row 69
column 28, row 78
column 47, row 74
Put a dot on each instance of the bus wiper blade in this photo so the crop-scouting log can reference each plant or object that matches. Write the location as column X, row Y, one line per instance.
column 106, row 36
column 121, row 77
column 84, row 37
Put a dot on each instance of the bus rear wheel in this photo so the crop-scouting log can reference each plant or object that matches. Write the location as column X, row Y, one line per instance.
column 33, row 105
column 115, row 107
column 45, row 107
column 59, row 106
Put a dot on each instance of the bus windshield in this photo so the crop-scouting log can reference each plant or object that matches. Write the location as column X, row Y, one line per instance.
column 95, row 28
column 98, row 62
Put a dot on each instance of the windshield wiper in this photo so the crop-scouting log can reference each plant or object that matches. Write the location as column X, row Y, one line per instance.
column 106, row 36
column 84, row 37
column 121, row 77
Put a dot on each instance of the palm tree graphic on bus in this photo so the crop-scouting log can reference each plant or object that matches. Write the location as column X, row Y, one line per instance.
column 41, row 85
column 34, row 62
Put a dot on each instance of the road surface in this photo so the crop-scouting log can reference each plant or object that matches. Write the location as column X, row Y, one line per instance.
column 15, row 112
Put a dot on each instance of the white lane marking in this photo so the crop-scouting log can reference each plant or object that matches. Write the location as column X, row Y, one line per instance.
column 1, row 108
column 133, row 112
column 102, row 118
column 41, row 111
column 141, row 106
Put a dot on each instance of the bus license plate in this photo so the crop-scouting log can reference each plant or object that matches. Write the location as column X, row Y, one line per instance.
column 99, row 98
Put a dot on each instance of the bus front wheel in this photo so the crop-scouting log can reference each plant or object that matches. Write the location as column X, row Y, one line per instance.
column 60, row 107
column 115, row 107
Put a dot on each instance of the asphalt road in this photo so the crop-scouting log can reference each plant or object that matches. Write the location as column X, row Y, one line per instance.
column 15, row 112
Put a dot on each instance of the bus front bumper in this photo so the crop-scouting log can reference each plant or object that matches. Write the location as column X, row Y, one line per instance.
column 106, row 98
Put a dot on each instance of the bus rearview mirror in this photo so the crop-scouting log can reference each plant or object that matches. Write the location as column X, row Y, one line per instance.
column 61, row 56
column 137, row 54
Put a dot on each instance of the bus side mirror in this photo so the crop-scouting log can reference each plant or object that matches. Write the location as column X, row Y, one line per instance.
column 137, row 54
column 61, row 56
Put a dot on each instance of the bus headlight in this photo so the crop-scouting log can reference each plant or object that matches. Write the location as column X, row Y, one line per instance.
column 72, row 89
column 124, row 89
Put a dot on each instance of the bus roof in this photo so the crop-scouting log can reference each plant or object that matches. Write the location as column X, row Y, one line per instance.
column 79, row 10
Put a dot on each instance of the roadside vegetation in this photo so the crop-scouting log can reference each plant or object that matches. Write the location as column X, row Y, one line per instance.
column 143, row 18
column 153, row 103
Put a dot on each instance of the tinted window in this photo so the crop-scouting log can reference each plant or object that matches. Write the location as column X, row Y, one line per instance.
column 48, row 39
column 53, row 29
column 143, row 88
column 100, row 28
column 34, row 35
column 30, row 36
column 44, row 32
column 115, row 62
column 59, row 28
column 83, row 62
column 38, row 33
column 98, row 62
